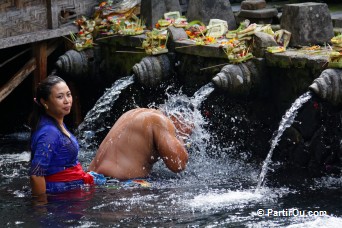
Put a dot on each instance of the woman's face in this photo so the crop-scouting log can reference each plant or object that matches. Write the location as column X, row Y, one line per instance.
column 59, row 102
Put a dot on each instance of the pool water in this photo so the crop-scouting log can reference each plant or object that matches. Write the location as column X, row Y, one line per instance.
column 212, row 192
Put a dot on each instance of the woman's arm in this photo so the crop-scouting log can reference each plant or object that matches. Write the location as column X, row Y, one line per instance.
column 38, row 185
column 44, row 143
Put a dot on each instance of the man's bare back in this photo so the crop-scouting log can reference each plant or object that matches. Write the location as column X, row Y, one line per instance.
column 136, row 141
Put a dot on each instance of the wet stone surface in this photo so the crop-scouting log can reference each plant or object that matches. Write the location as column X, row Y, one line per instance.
column 295, row 58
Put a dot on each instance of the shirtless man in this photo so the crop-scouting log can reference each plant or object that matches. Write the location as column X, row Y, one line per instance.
column 137, row 140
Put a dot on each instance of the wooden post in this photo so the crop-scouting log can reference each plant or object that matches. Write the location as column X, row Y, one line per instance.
column 40, row 55
column 18, row 3
column 52, row 14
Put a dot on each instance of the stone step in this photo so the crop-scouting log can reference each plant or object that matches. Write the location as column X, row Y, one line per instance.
column 299, row 58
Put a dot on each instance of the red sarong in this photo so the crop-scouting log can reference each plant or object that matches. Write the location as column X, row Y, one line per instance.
column 71, row 174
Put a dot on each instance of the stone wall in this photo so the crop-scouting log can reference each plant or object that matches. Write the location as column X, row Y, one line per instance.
column 19, row 17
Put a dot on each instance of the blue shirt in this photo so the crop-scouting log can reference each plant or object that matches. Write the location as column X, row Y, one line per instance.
column 52, row 150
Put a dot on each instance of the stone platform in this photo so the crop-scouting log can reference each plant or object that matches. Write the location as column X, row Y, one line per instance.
column 299, row 58
column 292, row 58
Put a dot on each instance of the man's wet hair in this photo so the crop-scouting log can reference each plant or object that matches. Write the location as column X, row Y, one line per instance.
column 178, row 105
column 183, row 105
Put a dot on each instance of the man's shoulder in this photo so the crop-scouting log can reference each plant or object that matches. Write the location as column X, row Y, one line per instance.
column 146, row 113
column 152, row 117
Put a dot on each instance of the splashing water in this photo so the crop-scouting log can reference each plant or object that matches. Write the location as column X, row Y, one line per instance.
column 187, row 112
column 200, row 165
column 286, row 122
column 202, row 94
column 95, row 117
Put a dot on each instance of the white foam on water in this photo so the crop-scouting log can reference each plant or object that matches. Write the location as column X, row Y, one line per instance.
column 13, row 165
column 221, row 199
column 299, row 221
column 319, row 222
column 236, row 198
column 87, row 224
column 14, row 158
column 328, row 182
column 19, row 194
column 129, row 201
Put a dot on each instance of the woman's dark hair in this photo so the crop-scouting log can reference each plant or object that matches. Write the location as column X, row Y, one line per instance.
column 43, row 90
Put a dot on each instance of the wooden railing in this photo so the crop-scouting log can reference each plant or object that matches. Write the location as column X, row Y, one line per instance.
column 37, row 64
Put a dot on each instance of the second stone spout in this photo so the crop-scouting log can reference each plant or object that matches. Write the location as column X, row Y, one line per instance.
column 239, row 79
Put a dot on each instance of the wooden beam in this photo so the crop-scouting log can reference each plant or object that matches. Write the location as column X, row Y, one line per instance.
column 17, row 78
column 28, row 68
column 14, row 57
column 40, row 54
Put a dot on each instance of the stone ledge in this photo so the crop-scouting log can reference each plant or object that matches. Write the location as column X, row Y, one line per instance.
column 189, row 47
column 337, row 21
column 209, row 51
column 37, row 36
column 127, row 41
column 294, row 58
column 260, row 13
column 337, row 31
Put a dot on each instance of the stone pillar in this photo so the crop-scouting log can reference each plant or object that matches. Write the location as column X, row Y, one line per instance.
column 153, row 10
column 310, row 23
column 253, row 4
column 256, row 12
column 261, row 42
column 204, row 10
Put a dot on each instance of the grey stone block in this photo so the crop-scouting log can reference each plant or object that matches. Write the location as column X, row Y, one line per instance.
column 261, row 42
column 153, row 10
column 338, row 22
column 204, row 10
column 253, row 4
column 310, row 23
column 177, row 33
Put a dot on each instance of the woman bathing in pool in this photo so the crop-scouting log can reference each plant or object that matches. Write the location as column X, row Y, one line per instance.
column 54, row 150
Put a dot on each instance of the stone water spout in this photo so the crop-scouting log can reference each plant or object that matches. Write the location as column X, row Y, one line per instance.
column 152, row 70
column 328, row 86
column 239, row 79
column 75, row 63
